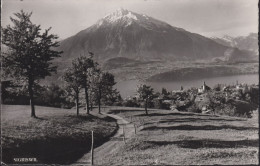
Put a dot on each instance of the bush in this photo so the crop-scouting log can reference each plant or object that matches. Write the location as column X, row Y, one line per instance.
column 225, row 109
column 193, row 108
column 112, row 99
column 160, row 105
column 14, row 93
column 237, row 108
column 131, row 103
column 117, row 104
column 53, row 96
column 17, row 100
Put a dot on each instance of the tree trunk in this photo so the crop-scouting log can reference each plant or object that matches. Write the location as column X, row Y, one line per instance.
column 87, row 100
column 77, row 103
column 99, row 100
column 30, row 87
column 146, row 112
column 90, row 102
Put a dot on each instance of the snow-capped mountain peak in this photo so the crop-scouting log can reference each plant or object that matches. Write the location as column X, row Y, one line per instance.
column 227, row 38
column 126, row 18
column 249, row 42
column 120, row 14
column 128, row 34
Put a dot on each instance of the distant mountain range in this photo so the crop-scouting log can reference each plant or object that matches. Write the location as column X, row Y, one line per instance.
column 139, row 37
column 249, row 42
column 136, row 46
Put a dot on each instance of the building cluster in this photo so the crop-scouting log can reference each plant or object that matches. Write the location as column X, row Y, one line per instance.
column 201, row 98
column 204, row 98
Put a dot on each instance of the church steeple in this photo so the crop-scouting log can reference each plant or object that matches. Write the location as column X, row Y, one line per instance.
column 204, row 86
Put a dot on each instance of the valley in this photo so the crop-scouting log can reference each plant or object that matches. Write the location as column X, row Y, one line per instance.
column 163, row 71
column 135, row 46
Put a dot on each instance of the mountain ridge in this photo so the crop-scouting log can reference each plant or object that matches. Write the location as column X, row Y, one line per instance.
column 248, row 42
column 136, row 36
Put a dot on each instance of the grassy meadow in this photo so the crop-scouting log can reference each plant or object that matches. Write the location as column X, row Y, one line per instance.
column 177, row 138
column 56, row 136
column 163, row 137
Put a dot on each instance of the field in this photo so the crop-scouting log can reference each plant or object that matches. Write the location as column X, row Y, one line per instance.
column 162, row 138
column 56, row 136
column 178, row 138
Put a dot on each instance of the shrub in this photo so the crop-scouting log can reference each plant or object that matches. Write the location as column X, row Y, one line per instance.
column 217, row 87
column 131, row 103
column 53, row 96
column 193, row 108
column 14, row 93
column 235, row 108
column 161, row 105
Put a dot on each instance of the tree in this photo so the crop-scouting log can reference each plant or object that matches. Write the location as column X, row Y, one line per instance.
column 101, row 84
column 112, row 98
column 30, row 52
column 83, row 64
column 53, row 95
column 145, row 93
column 164, row 92
column 95, row 85
column 108, row 81
column 73, row 84
column 217, row 87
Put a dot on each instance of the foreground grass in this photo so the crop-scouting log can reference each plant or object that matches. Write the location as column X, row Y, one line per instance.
column 177, row 138
column 56, row 136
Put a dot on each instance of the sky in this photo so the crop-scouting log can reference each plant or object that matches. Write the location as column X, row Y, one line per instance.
column 206, row 17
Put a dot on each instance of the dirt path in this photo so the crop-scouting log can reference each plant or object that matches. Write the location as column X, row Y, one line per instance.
column 112, row 145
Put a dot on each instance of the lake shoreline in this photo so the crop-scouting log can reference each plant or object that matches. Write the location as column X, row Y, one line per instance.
column 128, row 87
column 192, row 79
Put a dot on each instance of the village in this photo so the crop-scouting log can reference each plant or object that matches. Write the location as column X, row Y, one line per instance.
column 232, row 100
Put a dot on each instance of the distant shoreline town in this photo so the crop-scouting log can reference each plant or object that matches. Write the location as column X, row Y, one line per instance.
column 233, row 100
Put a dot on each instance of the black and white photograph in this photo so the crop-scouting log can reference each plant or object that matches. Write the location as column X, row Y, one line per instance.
column 129, row 82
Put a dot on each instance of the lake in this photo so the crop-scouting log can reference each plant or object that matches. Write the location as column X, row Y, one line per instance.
column 128, row 88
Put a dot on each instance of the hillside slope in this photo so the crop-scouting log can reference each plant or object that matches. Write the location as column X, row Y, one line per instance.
column 136, row 36
column 167, row 137
column 249, row 42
